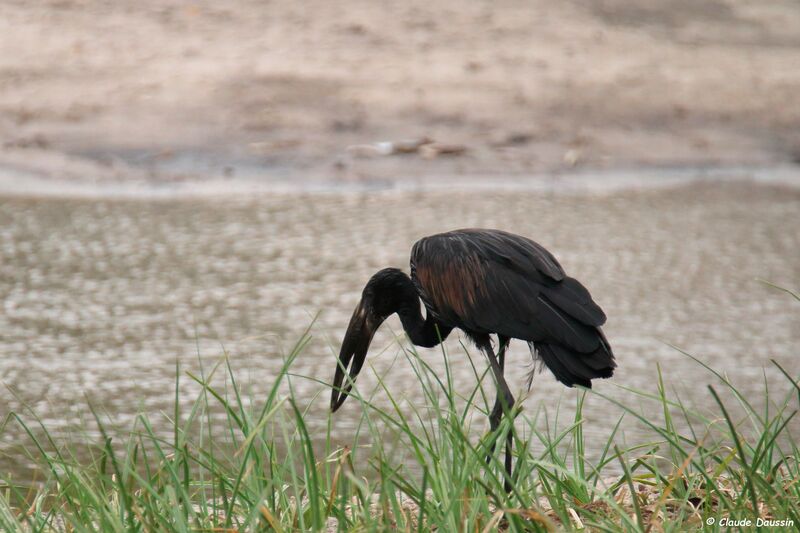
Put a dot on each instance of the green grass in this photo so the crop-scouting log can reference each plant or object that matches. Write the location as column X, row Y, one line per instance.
column 424, row 466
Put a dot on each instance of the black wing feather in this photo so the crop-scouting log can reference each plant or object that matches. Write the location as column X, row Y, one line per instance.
column 494, row 282
column 489, row 281
column 573, row 298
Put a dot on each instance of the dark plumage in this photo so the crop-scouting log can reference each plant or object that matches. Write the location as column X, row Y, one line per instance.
column 484, row 282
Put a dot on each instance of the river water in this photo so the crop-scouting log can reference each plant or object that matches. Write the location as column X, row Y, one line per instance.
column 101, row 297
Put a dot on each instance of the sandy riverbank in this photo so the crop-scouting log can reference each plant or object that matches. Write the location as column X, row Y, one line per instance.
column 170, row 92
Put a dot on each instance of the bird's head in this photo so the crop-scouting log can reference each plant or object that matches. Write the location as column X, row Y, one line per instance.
column 385, row 293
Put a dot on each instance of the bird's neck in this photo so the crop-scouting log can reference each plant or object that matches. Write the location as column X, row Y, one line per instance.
column 427, row 332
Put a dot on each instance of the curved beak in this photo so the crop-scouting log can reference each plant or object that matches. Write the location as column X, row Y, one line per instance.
column 363, row 325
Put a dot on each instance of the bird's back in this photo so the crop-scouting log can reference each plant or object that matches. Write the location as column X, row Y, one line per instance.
column 525, row 255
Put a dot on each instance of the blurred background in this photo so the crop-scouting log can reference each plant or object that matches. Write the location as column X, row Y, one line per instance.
column 180, row 180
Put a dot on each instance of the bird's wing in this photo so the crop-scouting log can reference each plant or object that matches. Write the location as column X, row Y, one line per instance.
column 514, row 251
column 496, row 282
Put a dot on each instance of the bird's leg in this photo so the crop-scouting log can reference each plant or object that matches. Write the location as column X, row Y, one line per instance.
column 504, row 401
column 497, row 410
column 507, row 407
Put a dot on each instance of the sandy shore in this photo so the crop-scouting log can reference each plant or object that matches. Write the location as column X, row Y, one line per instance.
column 173, row 91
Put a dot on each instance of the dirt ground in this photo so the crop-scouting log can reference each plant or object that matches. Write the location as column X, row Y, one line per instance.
column 176, row 90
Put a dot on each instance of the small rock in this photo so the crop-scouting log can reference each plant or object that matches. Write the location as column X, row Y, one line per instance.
column 434, row 150
column 572, row 157
column 408, row 146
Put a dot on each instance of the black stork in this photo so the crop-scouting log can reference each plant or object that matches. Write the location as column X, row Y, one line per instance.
column 484, row 282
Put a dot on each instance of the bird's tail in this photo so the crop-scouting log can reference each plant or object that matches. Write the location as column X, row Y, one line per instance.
column 572, row 367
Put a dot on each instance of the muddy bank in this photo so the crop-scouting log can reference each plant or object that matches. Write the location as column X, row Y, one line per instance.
column 169, row 92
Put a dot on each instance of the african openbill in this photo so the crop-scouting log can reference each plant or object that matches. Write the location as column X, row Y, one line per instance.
column 484, row 282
